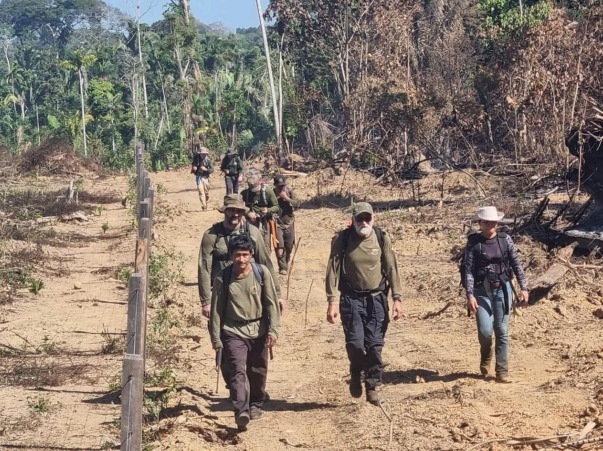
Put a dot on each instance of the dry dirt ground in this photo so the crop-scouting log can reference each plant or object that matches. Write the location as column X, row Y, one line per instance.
column 435, row 399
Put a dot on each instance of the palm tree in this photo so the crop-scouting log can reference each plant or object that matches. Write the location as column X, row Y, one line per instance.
column 80, row 61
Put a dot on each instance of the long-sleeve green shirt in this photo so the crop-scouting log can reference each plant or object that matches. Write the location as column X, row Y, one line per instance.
column 254, row 201
column 364, row 267
column 213, row 257
column 286, row 208
column 244, row 310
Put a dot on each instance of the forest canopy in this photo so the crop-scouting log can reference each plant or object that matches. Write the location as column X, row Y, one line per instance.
column 381, row 83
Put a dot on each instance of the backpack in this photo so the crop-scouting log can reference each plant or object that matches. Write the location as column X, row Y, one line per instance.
column 474, row 240
column 219, row 234
column 380, row 233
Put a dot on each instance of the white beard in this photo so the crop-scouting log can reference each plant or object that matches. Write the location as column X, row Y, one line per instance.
column 363, row 231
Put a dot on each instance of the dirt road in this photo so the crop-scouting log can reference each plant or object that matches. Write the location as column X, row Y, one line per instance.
column 435, row 399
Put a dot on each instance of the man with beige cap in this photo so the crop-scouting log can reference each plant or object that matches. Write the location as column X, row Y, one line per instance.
column 363, row 267
column 202, row 168
column 490, row 261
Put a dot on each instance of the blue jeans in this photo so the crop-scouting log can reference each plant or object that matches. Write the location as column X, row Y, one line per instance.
column 492, row 316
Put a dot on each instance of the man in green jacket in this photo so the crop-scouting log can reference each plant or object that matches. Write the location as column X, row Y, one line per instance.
column 202, row 167
column 245, row 322
column 262, row 204
column 363, row 268
column 232, row 167
column 285, row 222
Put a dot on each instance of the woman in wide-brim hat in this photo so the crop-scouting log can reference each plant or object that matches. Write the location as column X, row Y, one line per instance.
column 490, row 261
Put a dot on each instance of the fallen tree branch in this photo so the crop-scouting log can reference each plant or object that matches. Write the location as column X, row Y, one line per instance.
column 437, row 313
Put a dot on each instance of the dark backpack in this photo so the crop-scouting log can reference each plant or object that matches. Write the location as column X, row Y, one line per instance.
column 219, row 230
column 346, row 239
column 474, row 240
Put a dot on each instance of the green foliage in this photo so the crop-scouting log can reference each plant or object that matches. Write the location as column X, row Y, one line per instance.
column 38, row 405
column 165, row 269
column 508, row 17
column 105, row 227
column 35, row 286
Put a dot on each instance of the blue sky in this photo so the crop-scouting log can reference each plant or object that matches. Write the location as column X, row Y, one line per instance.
column 232, row 13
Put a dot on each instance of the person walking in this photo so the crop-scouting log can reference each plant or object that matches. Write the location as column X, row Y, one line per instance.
column 232, row 167
column 490, row 260
column 285, row 222
column 202, row 167
column 214, row 256
column 261, row 201
column 363, row 268
column 245, row 322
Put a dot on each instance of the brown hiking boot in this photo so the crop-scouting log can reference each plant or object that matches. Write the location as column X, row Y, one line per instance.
column 503, row 378
column 372, row 396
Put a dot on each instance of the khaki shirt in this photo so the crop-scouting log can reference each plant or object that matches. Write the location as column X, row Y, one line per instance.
column 243, row 311
column 363, row 264
column 213, row 257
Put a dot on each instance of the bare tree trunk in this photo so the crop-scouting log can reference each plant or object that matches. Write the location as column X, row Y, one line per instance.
column 83, row 111
column 277, row 126
column 142, row 69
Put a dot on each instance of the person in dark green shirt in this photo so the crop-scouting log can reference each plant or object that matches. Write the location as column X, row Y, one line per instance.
column 363, row 268
column 262, row 204
column 285, row 222
column 232, row 167
column 202, row 167
column 245, row 322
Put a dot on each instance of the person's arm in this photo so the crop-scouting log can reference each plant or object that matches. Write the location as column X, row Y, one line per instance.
column 270, row 302
column 217, row 308
column 518, row 269
column 294, row 201
column 223, row 165
column 392, row 275
column 204, row 266
column 334, row 268
column 273, row 206
column 470, row 263
column 240, row 165
column 390, row 264
column 261, row 256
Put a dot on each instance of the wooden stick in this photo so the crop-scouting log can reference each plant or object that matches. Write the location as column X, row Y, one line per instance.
column 291, row 266
column 307, row 297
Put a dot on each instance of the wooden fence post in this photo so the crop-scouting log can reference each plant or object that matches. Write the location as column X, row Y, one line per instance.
column 136, row 295
column 132, row 394
column 143, row 210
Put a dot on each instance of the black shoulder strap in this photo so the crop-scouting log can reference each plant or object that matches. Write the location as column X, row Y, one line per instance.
column 258, row 272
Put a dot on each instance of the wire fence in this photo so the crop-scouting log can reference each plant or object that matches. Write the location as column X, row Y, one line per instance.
column 134, row 359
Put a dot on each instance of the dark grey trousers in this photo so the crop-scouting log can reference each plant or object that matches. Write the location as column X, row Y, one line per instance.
column 248, row 363
column 365, row 319
column 286, row 240
column 232, row 184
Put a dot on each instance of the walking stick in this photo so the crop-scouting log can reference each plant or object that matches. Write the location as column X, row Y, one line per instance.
column 218, row 364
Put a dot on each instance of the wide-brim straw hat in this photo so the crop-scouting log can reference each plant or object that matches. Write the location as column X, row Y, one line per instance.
column 488, row 214
column 204, row 150
column 232, row 152
column 233, row 201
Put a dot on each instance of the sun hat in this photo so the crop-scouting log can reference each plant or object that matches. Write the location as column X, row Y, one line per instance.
column 204, row 150
column 233, row 201
column 280, row 180
column 489, row 213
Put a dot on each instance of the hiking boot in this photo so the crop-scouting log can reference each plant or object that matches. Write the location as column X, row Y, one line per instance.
column 255, row 413
column 282, row 272
column 266, row 396
column 242, row 420
column 355, row 385
column 372, row 396
column 503, row 378
column 484, row 367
